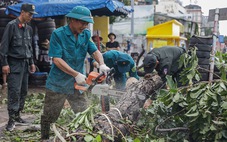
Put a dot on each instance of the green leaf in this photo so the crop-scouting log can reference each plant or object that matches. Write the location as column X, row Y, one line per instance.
column 192, row 109
column 204, row 130
column 224, row 134
column 176, row 97
column 170, row 105
column 193, row 119
column 88, row 138
column 136, row 140
column 203, row 100
column 197, row 77
column 219, row 122
column 222, row 85
column 196, row 88
column 74, row 138
column 218, row 136
column 98, row 138
column 110, row 138
column 212, row 128
column 163, row 92
column 193, row 114
column 170, row 82
column 196, row 94
column 190, row 76
column 224, row 105
column 158, row 140
column 214, row 104
column 212, row 95
column 183, row 104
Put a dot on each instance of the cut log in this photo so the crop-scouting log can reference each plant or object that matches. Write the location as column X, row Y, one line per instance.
column 128, row 107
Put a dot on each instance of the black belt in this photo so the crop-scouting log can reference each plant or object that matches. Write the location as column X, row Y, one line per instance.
column 18, row 59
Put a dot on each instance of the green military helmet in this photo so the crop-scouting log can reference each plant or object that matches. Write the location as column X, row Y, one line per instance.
column 81, row 13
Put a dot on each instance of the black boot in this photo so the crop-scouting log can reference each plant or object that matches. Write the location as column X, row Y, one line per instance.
column 11, row 124
column 45, row 128
column 18, row 118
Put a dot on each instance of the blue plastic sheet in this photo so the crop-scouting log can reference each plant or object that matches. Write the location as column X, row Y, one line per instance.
column 51, row 8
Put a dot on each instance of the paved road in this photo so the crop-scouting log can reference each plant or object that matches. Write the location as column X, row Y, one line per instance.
column 3, row 106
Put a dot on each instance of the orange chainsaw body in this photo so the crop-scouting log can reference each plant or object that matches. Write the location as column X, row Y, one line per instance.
column 90, row 80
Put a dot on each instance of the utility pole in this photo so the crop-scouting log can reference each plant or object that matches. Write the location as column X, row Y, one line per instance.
column 154, row 5
column 215, row 32
column 132, row 19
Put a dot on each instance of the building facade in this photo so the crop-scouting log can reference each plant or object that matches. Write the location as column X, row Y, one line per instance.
column 197, row 16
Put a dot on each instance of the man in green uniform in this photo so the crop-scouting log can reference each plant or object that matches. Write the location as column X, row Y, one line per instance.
column 164, row 60
column 69, row 45
column 122, row 64
column 16, row 58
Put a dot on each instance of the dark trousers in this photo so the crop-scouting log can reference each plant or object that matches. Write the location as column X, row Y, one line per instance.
column 54, row 103
column 17, row 87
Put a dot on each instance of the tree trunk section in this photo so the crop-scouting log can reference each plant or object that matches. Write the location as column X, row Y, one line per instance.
column 128, row 105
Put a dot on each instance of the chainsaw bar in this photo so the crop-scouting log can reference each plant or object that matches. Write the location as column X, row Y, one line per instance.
column 104, row 89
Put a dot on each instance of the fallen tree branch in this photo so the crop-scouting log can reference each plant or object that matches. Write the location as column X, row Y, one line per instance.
column 157, row 129
column 172, row 129
column 58, row 134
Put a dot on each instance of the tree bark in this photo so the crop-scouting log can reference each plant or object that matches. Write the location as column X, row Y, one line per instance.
column 128, row 107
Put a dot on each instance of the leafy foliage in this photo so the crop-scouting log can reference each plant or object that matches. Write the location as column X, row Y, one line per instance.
column 33, row 103
column 221, row 64
column 196, row 112
column 189, row 62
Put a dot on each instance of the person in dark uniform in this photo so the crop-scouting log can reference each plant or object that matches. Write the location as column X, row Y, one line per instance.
column 112, row 44
column 164, row 60
column 17, row 57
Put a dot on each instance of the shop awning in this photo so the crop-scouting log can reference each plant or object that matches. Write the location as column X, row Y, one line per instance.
column 52, row 8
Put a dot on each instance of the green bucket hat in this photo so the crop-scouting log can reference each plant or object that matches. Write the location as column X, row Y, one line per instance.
column 81, row 13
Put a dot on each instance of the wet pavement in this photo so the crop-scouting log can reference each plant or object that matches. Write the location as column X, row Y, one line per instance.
column 27, row 117
column 3, row 106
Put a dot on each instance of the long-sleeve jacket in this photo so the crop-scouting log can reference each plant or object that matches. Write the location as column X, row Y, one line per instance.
column 16, row 42
column 111, row 57
column 168, row 59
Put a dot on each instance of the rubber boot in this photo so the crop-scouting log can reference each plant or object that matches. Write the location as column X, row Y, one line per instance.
column 18, row 118
column 45, row 128
column 11, row 125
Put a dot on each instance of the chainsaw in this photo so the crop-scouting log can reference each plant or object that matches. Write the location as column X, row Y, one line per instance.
column 92, row 79
column 100, row 84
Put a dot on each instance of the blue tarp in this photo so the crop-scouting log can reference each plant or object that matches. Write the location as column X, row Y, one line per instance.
column 51, row 8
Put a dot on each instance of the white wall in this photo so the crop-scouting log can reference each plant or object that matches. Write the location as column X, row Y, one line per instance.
column 170, row 6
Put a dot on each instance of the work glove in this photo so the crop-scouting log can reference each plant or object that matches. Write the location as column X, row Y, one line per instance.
column 103, row 69
column 80, row 79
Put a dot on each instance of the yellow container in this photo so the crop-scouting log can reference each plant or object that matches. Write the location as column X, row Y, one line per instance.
column 167, row 33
